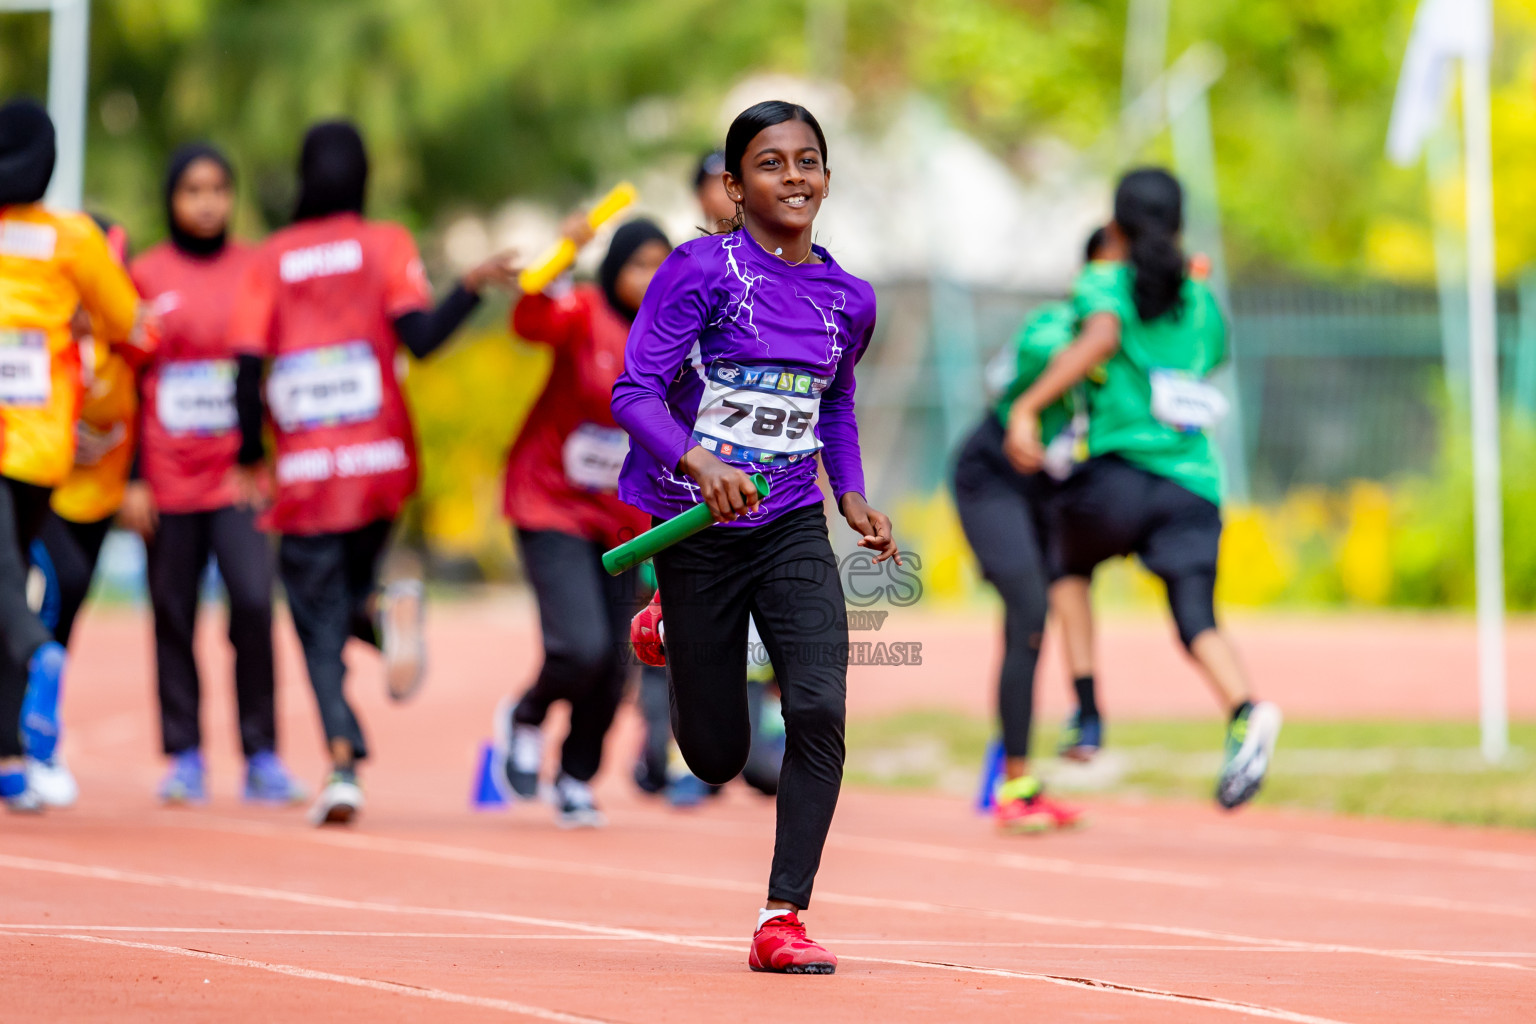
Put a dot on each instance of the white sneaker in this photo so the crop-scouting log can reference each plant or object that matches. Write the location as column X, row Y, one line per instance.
column 52, row 781
column 402, row 637
column 339, row 802
column 574, row 806
column 1251, row 742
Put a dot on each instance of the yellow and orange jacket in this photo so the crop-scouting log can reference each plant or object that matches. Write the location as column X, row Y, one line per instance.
column 52, row 263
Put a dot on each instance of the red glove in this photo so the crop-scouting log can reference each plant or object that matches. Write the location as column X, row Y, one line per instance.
column 646, row 633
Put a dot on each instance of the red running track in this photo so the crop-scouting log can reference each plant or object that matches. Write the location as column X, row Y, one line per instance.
column 121, row 910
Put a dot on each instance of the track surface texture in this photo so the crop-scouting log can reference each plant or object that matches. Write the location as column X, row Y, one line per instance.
column 121, row 910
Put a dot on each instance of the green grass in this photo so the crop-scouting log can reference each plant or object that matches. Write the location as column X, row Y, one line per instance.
column 1427, row 771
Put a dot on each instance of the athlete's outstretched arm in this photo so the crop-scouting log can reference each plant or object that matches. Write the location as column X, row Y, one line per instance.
column 423, row 331
column 1096, row 342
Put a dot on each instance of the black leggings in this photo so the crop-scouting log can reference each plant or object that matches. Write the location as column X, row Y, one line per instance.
column 783, row 574
column 22, row 507
column 584, row 617
column 178, row 555
column 1111, row 508
column 330, row 579
column 1005, row 518
column 66, row 553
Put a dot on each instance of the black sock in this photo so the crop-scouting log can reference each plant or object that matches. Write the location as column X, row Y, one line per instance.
column 1242, row 708
column 1087, row 706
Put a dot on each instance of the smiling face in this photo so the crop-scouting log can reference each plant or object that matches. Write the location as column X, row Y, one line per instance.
column 783, row 179
column 202, row 199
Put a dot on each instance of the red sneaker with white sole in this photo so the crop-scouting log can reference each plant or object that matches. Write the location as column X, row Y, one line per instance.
column 780, row 947
column 646, row 634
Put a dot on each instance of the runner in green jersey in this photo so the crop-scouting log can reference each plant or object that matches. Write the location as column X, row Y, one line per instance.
column 1153, row 484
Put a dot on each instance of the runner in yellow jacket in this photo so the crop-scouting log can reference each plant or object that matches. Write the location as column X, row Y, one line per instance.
column 51, row 263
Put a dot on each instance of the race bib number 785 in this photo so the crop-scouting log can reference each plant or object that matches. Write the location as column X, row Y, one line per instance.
column 764, row 415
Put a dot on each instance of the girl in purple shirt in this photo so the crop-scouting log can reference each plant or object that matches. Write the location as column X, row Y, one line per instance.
column 742, row 360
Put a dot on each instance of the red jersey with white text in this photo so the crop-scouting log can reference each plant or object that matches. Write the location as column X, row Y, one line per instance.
column 319, row 301
column 190, row 427
column 563, row 472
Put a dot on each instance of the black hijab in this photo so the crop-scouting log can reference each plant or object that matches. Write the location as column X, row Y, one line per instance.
column 182, row 159
column 626, row 242
column 27, row 152
column 333, row 171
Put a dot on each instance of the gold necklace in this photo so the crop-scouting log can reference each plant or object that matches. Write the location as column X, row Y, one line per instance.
column 779, row 252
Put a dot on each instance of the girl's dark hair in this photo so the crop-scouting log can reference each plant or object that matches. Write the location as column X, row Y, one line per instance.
column 755, row 119
column 1149, row 207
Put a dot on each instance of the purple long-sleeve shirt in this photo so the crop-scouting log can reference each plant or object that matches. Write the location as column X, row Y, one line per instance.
column 752, row 358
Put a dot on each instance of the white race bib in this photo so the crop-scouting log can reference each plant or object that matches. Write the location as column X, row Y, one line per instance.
column 322, row 387
column 593, row 456
column 197, row 397
column 26, row 372
column 1186, row 403
column 765, row 415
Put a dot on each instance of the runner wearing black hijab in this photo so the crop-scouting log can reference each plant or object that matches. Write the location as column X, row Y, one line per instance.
column 192, row 501
column 327, row 303
column 52, row 263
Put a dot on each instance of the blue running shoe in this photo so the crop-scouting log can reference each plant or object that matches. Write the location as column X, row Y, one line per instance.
column 267, row 781
column 18, row 797
column 686, row 790
column 184, row 784
column 1081, row 737
column 40, row 707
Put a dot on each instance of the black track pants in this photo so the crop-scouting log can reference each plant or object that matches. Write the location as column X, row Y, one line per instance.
column 330, row 579
column 1004, row 516
column 22, row 508
column 66, row 553
column 178, row 554
column 784, row 575
column 584, row 618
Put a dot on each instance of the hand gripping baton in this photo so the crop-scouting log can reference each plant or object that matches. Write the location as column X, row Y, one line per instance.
column 562, row 254
column 658, row 538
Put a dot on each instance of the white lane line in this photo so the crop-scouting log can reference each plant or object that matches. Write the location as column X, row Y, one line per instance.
column 309, row 899
column 393, row 988
column 1151, row 876
column 19, row 928
column 1185, row 880
column 381, row 844
column 1159, row 995
column 1380, row 849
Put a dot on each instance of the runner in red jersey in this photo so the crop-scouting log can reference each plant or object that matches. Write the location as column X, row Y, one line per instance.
column 190, row 502
column 562, row 480
column 324, row 308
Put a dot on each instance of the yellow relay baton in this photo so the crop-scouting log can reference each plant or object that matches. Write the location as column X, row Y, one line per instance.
column 562, row 254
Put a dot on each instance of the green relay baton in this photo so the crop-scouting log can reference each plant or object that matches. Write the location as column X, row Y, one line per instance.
column 658, row 538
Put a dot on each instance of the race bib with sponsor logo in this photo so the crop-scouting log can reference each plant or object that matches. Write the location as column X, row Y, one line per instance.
column 197, row 397
column 593, row 456
column 1186, row 403
column 765, row 415
column 322, row 387
column 26, row 373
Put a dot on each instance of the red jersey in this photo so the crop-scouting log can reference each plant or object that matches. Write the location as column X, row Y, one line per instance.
column 563, row 472
column 319, row 299
column 190, row 428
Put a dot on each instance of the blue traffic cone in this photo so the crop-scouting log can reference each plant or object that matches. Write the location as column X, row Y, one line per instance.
column 487, row 796
column 991, row 773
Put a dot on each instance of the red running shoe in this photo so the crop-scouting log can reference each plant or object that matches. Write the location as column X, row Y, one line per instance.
column 780, row 946
column 1022, row 806
column 646, row 632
